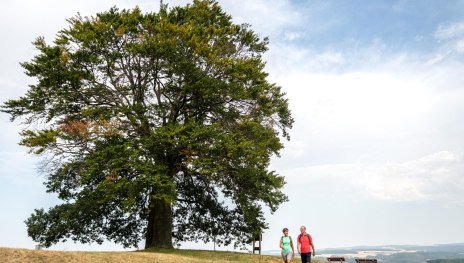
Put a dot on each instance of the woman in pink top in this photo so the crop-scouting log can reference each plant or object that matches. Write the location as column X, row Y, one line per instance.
column 305, row 246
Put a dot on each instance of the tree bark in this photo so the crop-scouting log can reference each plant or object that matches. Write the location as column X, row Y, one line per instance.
column 159, row 230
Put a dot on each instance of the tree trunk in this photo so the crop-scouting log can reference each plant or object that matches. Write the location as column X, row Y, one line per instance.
column 159, row 231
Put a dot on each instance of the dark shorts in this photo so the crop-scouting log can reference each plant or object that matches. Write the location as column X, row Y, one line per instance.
column 305, row 257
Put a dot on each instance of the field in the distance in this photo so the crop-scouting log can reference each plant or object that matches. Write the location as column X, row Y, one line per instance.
column 158, row 256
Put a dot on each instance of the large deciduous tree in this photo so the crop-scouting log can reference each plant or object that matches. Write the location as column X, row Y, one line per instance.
column 158, row 126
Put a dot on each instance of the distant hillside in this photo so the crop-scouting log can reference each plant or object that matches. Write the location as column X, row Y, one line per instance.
column 8, row 255
column 446, row 261
column 400, row 253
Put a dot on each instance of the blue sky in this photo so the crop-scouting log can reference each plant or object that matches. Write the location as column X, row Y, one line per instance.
column 377, row 92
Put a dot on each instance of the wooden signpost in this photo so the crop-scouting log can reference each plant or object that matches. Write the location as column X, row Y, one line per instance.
column 258, row 238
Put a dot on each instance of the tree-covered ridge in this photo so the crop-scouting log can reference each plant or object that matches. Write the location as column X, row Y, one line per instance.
column 154, row 125
column 446, row 261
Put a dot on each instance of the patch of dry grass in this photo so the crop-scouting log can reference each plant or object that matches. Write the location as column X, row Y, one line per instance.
column 158, row 256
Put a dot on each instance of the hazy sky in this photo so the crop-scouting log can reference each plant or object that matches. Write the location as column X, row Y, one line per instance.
column 377, row 92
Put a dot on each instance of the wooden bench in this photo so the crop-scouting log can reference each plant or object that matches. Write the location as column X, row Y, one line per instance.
column 365, row 260
column 336, row 259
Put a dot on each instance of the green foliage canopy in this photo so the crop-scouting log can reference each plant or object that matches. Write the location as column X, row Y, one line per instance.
column 175, row 106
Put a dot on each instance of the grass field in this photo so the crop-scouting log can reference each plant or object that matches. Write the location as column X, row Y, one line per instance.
column 158, row 256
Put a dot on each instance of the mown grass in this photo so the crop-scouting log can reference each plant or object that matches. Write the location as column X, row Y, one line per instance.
column 158, row 256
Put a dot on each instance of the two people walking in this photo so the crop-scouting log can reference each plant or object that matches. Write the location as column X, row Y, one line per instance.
column 305, row 246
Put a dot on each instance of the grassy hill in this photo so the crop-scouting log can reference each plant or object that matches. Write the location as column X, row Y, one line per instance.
column 158, row 256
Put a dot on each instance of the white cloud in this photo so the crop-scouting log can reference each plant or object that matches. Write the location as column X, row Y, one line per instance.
column 450, row 30
column 433, row 177
column 292, row 35
column 371, row 102
column 267, row 17
column 452, row 36
column 437, row 58
column 437, row 176
column 362, row 115
column 419, row 38
column 459, row 46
